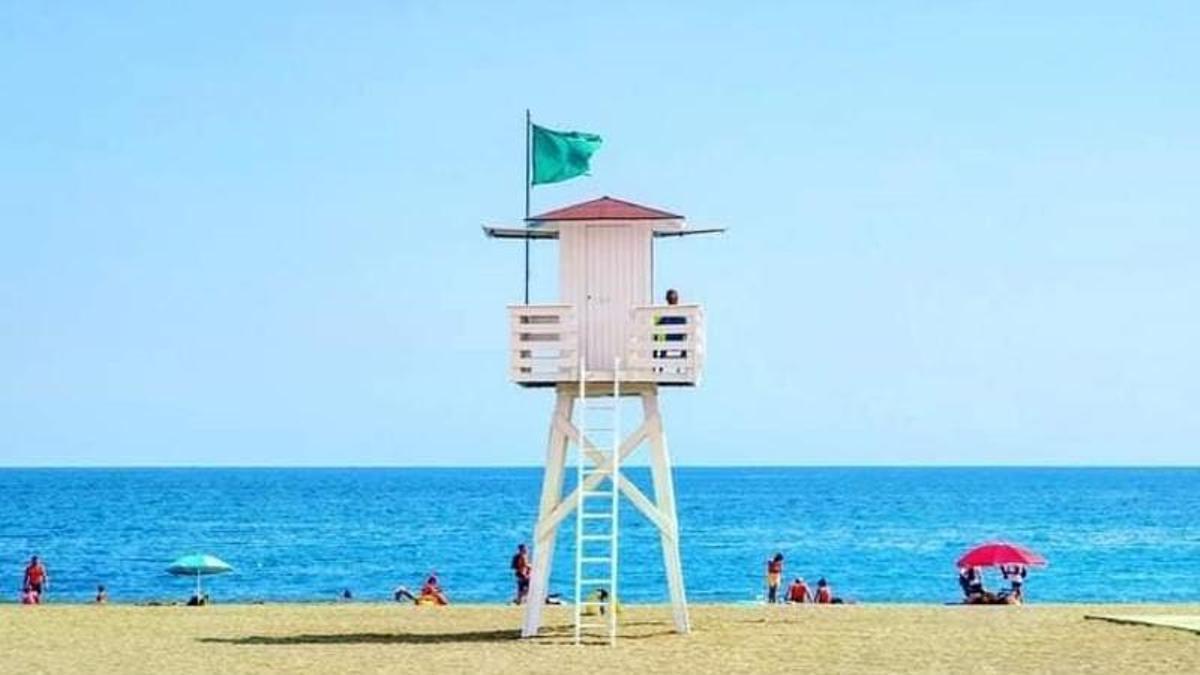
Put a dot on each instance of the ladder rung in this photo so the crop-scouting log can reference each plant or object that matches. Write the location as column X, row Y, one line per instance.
column 594, row 603
column 595, row 516
column 595, row 582
column 593, row 625
column 595, row 537
column 594, row 560
column 597, row 493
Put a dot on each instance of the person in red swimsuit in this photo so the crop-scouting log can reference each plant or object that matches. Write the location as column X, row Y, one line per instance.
column 433, row 591
column 774, row 577
column 36, row 578
column 522, row 569
column 824, row 595
column 798, row 592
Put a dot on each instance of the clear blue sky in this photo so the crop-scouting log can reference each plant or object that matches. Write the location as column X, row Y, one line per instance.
column 248, row 233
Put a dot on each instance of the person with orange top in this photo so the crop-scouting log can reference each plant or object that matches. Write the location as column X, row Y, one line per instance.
column 774, row 577
column 36, row 578
column 798, row 592
column 432, row 593
column 824, row 594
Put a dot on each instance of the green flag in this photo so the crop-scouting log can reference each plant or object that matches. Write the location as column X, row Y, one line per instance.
column 560, row 155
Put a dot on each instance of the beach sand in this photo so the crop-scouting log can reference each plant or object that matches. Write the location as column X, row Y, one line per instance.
column 392, row 637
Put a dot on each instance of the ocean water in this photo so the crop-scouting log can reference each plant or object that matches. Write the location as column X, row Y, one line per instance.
column 878, row 535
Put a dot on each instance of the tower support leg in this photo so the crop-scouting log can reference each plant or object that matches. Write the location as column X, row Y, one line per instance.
column 664, row 495
column 552, row 484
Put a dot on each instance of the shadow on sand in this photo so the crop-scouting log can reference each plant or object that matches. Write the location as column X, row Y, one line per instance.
column 371, row 638
column 549, row 634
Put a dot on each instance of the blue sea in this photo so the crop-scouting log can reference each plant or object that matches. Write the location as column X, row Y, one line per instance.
column 879, row 535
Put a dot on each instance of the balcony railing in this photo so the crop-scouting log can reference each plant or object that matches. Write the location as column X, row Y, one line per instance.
column 666, row 345
column 543, row 343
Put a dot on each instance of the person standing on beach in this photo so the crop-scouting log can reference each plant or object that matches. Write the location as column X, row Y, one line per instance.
column 774, row 577
column 522, row 569
column 36, row 578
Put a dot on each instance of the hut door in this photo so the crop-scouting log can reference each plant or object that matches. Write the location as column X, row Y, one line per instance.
column 617, row 279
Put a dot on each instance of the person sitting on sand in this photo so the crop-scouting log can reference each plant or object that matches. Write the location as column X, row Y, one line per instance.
column 598, row 600
column 824, row 594
column 774, row 577
column 101, row 595
column 1016, row 578
column 432, row 593
column 30, row 596
column 199, row 600
column 798, row 592
column 970, row 579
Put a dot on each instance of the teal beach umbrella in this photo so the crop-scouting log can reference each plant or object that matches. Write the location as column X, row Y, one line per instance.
column 199, row 565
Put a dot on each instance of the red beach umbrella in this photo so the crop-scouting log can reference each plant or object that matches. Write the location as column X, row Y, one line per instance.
column 995, row 553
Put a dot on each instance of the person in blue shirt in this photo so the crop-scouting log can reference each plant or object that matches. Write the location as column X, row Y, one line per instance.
column 669, row 319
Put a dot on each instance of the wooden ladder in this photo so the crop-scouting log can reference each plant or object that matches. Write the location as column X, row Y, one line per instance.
column 597, row 465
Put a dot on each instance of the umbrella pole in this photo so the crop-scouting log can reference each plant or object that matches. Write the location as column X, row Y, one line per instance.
column 197, row 585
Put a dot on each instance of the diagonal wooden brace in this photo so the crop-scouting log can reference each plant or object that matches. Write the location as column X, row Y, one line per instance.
column 604, row 467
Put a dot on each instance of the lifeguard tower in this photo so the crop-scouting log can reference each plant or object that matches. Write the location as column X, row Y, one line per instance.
column 603, row 341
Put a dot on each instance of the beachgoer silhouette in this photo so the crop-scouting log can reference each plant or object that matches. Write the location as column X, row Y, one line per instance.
column 522, row 569
column 36, row 578
column 774, row 577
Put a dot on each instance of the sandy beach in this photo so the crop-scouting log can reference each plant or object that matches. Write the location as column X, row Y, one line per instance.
column 382, row 637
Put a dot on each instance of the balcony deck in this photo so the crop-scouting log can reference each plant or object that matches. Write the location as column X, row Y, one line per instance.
column 666, row 346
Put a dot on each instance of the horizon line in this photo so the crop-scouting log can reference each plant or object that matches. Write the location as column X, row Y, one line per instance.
column 446, row 467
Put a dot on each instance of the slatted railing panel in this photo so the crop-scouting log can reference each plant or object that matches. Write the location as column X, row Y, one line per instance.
column 666, row 344
column 543, row 343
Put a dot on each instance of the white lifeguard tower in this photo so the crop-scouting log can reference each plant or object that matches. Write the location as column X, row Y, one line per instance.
column 604, row 340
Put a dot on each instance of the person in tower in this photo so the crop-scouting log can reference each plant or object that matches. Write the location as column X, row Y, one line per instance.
column 522, row 570
column 774, row 577
column 36, row 578
column 798, row 592
column 670, row 319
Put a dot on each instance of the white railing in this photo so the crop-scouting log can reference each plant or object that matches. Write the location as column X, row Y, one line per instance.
column 543, row 343
column 666, row 344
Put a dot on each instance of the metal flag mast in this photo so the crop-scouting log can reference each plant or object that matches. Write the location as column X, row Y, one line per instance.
column 528, row 187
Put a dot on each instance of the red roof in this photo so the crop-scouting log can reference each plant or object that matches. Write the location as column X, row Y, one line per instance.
column 606, row 208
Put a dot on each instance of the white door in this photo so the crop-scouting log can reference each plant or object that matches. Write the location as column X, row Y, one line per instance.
column 617, row 260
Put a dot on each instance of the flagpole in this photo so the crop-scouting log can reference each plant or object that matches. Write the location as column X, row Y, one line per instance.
column 528, row 161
